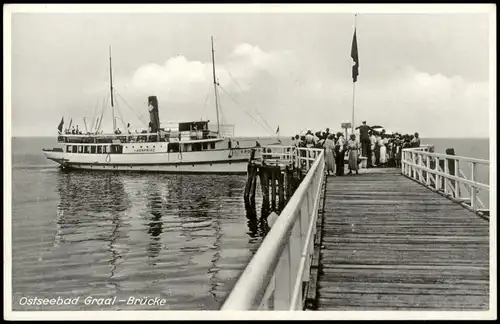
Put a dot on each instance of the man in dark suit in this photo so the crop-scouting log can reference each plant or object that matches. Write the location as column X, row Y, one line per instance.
column 364, row 138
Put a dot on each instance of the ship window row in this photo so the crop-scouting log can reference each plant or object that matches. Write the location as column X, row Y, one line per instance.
column 117, row 149
column 94, row 149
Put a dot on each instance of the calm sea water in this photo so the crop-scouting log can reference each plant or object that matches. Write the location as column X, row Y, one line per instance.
column 183, row 238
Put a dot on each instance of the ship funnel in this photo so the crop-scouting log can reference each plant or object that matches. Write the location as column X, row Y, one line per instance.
column 154, row 116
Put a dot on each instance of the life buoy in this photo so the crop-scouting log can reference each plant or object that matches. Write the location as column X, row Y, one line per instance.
column 108, row 158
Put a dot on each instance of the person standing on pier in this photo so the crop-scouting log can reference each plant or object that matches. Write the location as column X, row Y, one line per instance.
column 415, row 142
column 371, row 156
column 353, row 153
column 309, row 139
column 382, row 158
column 330, row 155
column 364, row 138
column 340, row 154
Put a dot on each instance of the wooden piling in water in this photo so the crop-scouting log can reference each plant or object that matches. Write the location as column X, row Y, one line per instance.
column 273, row 187
column 289, row 180
column 264, row 183
column 281, row 189
column 253, row 187
column 248, row 185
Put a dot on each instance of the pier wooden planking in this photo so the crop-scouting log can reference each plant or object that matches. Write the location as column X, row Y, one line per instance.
column 389, row 243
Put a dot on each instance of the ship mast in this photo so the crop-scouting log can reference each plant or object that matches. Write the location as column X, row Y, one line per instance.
column 215, row 87
column 111, row 89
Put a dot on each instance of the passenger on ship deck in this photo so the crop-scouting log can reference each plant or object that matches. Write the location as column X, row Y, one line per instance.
column 73, row 130
column 128, row 128
column 330, row 155
column 353, row 153
column 340, row 154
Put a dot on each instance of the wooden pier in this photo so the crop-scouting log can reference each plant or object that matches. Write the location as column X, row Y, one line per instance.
column 389, row 243
column 387, row 239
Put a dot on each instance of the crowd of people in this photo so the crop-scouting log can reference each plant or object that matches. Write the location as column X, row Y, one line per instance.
column 379, row 148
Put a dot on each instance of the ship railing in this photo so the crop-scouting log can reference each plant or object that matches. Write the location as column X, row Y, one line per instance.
column 446, row 174
column 275, row 277
column 164, row 136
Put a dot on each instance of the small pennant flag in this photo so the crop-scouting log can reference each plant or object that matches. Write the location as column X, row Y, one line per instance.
column 278, row 129
column 354, row 55
column 60, row 127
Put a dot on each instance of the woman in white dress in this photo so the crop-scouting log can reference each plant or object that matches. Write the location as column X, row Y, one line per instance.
column 383, row 152
column 329, row 146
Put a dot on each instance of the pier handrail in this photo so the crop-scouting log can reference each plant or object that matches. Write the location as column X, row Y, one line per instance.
column 424, row 167
column 277, row 270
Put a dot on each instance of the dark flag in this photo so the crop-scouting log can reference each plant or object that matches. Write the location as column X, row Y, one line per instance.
column 60, row 127
column 354, row 55
column 278, row 129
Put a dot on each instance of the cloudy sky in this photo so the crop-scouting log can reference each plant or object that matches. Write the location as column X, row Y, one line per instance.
column 418, row 72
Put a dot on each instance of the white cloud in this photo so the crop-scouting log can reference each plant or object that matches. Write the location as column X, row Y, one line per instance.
column 180, row 80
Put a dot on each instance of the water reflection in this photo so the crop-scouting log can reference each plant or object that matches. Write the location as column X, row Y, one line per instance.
column 184, row 236
column 91, row 201
column 257, row 227
column 155, row 223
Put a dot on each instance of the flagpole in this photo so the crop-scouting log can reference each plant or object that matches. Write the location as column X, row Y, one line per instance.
column 353, row 86
column 353, row 93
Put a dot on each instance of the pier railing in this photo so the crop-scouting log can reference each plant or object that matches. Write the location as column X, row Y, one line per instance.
column 447, row 174
column 301, row 157
column 275, row 276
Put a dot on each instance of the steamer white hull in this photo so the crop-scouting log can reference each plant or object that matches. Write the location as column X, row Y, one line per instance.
column 233, row 161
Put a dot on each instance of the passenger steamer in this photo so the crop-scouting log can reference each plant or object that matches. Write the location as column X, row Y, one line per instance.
column 188, row 147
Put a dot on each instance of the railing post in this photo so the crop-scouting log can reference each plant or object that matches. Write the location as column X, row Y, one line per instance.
column 413, row 170
column 402, row 162
column 427, row 173
column 437, row 177
column 457, row 183
column 295, row 255
column 282, row 284
column 447, row 172
column 305, row 220
column 473, row 189
column 420, row 164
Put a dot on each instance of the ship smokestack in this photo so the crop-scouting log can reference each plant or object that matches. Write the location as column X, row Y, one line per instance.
column 154, row 116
